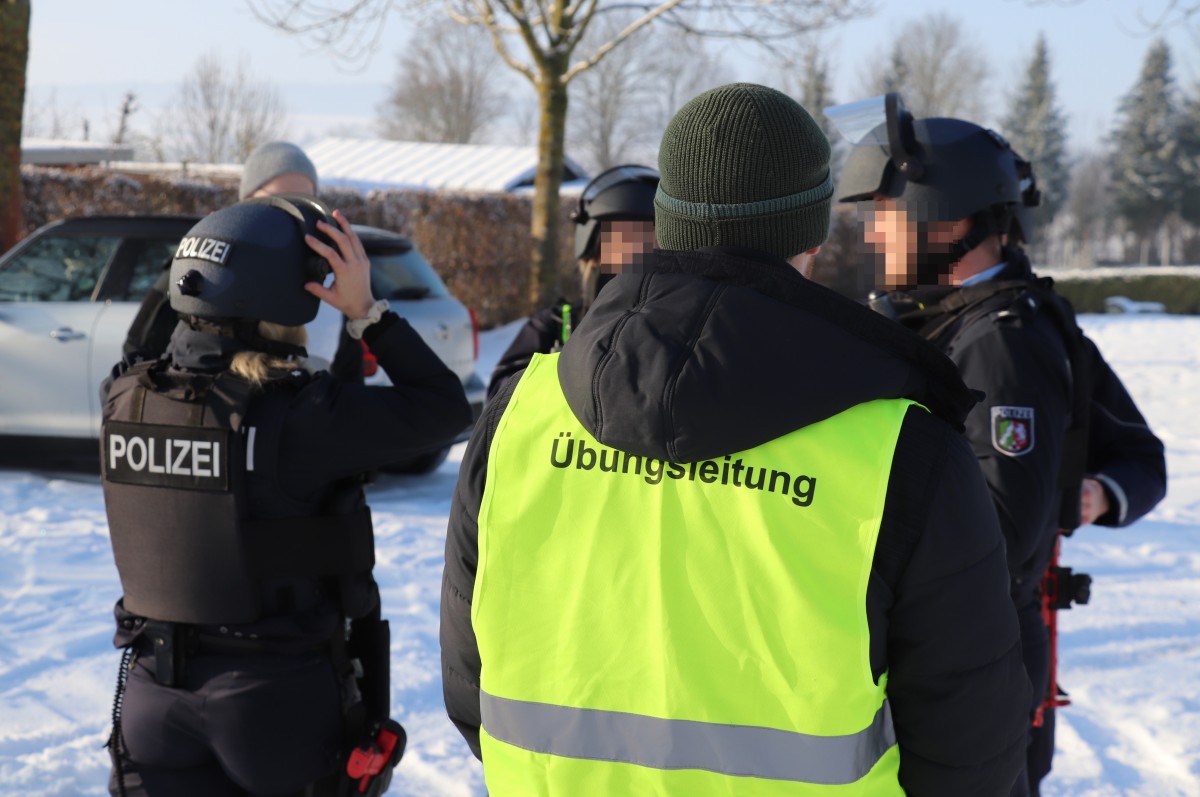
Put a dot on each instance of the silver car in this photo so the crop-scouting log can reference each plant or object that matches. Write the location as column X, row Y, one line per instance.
column 70, row 290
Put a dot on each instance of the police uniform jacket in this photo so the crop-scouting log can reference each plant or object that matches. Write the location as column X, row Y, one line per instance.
column 713, row 352
column 542, row 333
column 332, row 433
column 1012, row 348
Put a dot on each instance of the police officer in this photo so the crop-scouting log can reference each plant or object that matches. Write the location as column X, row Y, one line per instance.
column 614, row 230
column 1061, row 443
column 696, row 551
column 237, row 516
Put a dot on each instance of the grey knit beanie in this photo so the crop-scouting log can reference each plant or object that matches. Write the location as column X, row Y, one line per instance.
column 743, row 165
column 270, row 160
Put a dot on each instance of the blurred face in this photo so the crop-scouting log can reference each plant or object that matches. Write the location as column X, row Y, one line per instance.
column 290, row 183
column 624, row 244
column 891, row 233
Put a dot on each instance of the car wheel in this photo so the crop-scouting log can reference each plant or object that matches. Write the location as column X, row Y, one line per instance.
column 424, row 463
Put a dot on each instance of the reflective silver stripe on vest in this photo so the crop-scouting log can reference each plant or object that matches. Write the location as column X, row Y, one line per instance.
column 686, row 744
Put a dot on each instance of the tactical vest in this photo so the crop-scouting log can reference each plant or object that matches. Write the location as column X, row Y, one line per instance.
column 650, row 627
column 174, row 459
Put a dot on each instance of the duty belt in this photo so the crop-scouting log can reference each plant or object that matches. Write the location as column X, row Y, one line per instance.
column 175, row 643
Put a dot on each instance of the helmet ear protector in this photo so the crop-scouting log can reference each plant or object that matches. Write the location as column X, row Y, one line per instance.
column 902, row 141
column 307, row 211
column 1031, row 197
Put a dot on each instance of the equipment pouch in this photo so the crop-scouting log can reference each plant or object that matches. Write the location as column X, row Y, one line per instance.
column 370, row 643
column 170, row 655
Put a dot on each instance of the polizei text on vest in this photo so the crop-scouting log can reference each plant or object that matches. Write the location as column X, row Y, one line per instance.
column 170, row 456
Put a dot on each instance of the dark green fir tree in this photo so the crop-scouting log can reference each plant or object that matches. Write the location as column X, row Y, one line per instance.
column 1036, row 128
column 1189, row 152
column 1148, row 178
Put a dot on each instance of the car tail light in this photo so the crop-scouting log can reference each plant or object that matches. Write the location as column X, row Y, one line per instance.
column 370, row 364
column 474, row 331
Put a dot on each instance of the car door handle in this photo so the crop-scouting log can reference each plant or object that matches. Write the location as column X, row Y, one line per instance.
column 66, row 333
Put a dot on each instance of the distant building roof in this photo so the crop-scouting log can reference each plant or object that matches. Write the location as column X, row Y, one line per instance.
column 367, row 164
column 58, row 152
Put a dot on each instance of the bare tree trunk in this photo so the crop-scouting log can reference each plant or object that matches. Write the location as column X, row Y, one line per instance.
column 14, row 54
column 552, row 121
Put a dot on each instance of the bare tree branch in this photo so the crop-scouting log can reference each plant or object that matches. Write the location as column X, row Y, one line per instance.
column 937, row 68
column 445, row 87
column 550, row 31
column 351, row 34
column 221, row 114
column 616, row 40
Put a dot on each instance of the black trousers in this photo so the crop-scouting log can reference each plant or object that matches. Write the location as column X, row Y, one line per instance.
column 239, row 726
column 1035, row 650
column 1041, row 751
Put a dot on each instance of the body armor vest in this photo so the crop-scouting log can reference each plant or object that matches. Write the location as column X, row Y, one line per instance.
column 174, row 459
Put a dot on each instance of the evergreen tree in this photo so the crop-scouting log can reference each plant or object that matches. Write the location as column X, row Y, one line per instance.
column 1189, row 146
column 1148, row 180
column 1036, row 128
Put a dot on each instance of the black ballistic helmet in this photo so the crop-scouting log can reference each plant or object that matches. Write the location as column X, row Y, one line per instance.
column 948, row 169
column 620, row 193
column 941, row 170
column 249, row 261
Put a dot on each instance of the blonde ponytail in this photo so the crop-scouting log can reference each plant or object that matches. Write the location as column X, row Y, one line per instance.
column 258, row 367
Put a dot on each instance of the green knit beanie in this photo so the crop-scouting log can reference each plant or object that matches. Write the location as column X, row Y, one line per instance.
column 743, row 165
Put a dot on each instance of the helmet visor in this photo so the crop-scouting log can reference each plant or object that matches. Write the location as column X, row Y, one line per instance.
column 856, row 120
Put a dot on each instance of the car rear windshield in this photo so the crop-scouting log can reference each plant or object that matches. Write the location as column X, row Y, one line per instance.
column 404, row 275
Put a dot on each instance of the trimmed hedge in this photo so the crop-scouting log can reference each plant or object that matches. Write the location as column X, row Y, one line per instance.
column 1179, row 293
column 480, row 243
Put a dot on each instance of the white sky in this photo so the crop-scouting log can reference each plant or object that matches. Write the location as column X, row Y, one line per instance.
column 85, row 55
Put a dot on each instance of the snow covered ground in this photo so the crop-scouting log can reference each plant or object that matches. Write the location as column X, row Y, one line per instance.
column 1131, row 659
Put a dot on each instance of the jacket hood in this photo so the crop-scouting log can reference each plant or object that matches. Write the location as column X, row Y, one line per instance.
column 716, row 351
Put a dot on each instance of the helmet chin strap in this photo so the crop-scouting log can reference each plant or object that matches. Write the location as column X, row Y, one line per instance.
column 933, row 263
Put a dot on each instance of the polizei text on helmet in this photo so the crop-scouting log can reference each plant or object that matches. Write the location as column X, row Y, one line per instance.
column 196, row 248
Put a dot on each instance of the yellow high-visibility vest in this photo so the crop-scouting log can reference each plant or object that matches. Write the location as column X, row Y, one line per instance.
column 648, row 627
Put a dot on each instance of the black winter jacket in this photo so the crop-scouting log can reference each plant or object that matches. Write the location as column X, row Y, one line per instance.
column 1009, row 345
column 717, row 351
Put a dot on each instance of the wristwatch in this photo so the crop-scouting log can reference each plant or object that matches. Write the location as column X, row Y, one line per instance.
column 356, row 326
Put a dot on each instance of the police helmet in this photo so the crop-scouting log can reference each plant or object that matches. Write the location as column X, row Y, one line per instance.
column 250, row 261
column 620, row 193
column 944, row 169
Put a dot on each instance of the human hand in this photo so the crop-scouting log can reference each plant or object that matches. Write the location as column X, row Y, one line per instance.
column 351, row 288
column 1093, row 501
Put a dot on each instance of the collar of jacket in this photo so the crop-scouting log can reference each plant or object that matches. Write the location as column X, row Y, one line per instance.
column 711, row 352
column 1017, row 265
column 916, row 307
column 202, row 351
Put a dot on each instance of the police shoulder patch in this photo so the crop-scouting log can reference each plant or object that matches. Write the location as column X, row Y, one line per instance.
column 1012, row 430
